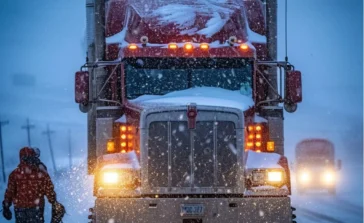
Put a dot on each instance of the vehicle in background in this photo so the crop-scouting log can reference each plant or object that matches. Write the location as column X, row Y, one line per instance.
column 315, row 166
column 184, row 109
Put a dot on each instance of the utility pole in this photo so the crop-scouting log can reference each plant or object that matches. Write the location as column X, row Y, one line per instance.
column 28, row 127
column 2, row 123
column 48, row 133
column 69, row 149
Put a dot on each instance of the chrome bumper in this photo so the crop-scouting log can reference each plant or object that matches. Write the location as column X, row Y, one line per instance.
column 219, row 210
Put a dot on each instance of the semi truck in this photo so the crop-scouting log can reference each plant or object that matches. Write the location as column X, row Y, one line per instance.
column 185, row 106
column 315, row 166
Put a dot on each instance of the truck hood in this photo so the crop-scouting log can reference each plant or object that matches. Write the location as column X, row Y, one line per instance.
column 207, row 96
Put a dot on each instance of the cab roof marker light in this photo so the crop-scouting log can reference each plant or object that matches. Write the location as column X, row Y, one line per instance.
column 204, row 46
column 188, row 46
column 132, row 46
column 244, row 47
column 172, row 46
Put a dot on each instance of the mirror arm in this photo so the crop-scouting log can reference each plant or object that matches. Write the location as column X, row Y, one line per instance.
column 279, row 99
column 279, row 64
column 107, row 80
column 102, row 63
column 111, row 101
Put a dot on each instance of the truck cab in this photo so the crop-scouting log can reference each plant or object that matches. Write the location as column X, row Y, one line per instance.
column 315, row 166
column 180, row 122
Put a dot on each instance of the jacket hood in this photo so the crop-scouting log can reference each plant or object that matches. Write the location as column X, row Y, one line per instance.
column 26, row 152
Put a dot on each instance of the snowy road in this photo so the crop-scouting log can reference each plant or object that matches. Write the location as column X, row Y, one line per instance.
column 320, row 207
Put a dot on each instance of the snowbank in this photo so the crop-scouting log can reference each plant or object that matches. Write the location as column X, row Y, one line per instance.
column 207, row 96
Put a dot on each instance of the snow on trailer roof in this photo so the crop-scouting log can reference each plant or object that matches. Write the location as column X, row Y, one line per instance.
column 184, row 13
column 207, row 96
column 188, row 20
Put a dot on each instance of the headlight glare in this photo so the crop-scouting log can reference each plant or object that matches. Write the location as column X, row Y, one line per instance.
column 305, row 177
column 110, row 178
column 329, row 177
column 268, row 177
column 275, row 176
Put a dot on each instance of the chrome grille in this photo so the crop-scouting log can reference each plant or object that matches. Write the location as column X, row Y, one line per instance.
column 205, row 157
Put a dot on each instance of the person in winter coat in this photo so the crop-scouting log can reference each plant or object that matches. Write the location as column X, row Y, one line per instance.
column 27, row 186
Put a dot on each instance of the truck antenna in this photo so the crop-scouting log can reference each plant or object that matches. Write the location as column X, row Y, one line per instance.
column 286, row 58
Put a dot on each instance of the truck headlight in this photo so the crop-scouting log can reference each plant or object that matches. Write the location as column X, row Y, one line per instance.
column 275, row 176
column 117, row 179
column 268, row 177
column 110, row 178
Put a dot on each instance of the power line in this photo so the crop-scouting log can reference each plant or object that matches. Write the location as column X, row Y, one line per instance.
column 28, row 127
column 2, row 123
column 48, row 133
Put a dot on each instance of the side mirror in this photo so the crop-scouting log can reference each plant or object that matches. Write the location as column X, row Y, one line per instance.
column 82, row 87
column 339, row 165
column 293, row 90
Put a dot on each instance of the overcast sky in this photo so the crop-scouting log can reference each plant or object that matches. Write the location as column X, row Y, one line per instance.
column 43, row 40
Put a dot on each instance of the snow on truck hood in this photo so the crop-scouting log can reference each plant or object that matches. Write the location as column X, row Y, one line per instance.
column 207, row 96
column 262, row 160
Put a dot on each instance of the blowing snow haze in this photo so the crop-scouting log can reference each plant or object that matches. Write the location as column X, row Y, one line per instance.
column 41, row 47
column 42, row 44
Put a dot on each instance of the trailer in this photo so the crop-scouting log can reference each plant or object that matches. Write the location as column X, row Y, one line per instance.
column 185, row 106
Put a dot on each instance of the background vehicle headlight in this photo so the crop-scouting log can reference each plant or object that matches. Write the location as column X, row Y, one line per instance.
column 329, row 177
column 110, row 178
column 305, row 177
column 275, row 176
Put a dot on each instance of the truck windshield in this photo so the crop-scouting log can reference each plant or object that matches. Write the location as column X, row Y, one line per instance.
column 162, row 76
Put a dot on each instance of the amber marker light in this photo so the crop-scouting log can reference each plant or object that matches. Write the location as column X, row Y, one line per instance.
column 132, row 47
column 188, row 46
column 244, row 47
column 111, row 146
column 258, row 128
column 250, row 128
column 172, row 46
column 204, row 46
column 270, row 146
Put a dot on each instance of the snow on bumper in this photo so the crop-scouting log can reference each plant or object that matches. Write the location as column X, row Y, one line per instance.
column 247, row 210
